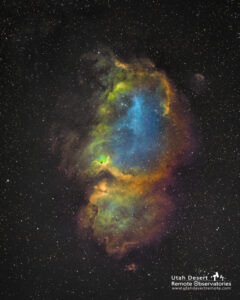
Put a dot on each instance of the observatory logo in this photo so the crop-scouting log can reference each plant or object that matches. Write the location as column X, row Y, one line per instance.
column 211, row 281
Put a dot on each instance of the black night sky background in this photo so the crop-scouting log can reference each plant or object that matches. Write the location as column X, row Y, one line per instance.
column 42, row 42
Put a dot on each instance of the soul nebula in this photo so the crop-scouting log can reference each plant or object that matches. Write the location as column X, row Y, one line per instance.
column 141, row 132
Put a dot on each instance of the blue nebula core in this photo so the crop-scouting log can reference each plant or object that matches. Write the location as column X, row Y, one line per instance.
column 137, row 135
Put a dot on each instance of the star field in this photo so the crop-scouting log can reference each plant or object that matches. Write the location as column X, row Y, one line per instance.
column 47, row 50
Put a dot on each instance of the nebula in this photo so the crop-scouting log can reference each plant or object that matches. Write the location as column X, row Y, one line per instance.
column 139, row 133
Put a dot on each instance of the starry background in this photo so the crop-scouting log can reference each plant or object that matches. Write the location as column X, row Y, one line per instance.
column 41, row 46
